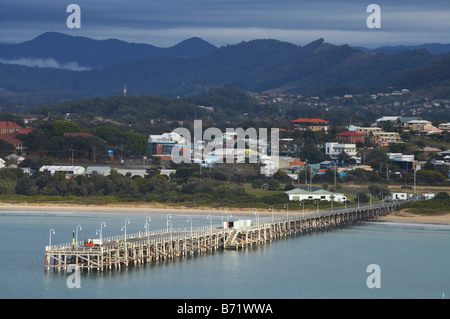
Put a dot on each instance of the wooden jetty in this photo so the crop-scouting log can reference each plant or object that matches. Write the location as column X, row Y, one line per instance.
column 138, row 249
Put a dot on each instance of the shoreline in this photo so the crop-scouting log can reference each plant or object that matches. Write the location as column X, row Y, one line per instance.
column 131, row 208
column 401, row 217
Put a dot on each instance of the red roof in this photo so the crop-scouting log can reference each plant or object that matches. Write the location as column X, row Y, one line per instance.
column 8, row 124
column 309, row 121
column 10, row 139
column 24, row 131
column 350, row 133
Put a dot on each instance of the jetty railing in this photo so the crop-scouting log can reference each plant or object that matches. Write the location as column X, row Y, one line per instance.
column 169, row 243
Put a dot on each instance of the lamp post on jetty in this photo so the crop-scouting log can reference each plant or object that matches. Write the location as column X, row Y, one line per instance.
column 76, row 233
column 190, row 220
column 303, row 205
column 148, row 219
column 210, row 222
column 256, row 213
column 101, row 230
column 50, row 237
column 124, row 227
column 167, row 219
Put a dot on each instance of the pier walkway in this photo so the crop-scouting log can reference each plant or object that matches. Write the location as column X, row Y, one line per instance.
column 137, row 249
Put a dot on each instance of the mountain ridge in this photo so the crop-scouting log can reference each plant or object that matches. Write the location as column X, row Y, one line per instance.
column 259, row 65
column 91, row 53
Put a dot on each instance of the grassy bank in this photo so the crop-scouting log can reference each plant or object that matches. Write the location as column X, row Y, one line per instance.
column 435, row 206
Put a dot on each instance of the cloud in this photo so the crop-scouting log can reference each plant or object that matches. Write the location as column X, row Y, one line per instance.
column 45, row 63
column 158, row 22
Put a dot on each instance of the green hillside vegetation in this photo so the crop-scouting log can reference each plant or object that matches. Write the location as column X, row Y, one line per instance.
column 223, row 186
column 256, row 65
column 439, row 205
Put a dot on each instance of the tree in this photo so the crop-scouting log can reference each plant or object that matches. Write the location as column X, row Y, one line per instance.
column 388, row 126
column 257, row 183
column 363, row 198
column 376, row 157
column 273, row 185
column 138, row 141
column 442, row 195
column 121, row 144
column 6, row 148
column 379, row 191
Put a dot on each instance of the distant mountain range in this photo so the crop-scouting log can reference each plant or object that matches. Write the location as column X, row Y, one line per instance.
column 434, row 48
column 88, row 53
column 55, row 67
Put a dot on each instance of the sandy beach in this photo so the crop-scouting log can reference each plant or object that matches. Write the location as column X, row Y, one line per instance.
column 411, row 218
column 148, row 208
column 128, row 208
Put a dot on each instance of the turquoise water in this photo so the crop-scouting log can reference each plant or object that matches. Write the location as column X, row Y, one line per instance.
column 414, row 262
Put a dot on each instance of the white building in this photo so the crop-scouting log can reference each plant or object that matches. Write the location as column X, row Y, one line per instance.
column 132, row 172
column 2, row 163
column 444, row 126
column 335, row 149
column 300, row 194
column 102, row 170
column 399, row 157
column 400, row 196
column 68, row 170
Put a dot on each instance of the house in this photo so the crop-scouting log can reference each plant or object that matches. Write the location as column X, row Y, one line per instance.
column 336, row 149
column 8, row 127
column 402, row 121
column 11, row 139
column 101, row 170
column 350, row 137
column 8, row 133
column 304, row 124
column 132, row 172
column 399, row 157
column 15, row 159
column 427, row 151
column 162, row 145
column 2, row 163
column 367, row 131
column 68, row 170
column 382, row 120
column 301, row 194
column 385, row 138
column 399, row 196
column 444, row 126
column 417, row 125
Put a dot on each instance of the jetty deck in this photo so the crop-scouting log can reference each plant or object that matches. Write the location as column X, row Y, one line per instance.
column 137, row 249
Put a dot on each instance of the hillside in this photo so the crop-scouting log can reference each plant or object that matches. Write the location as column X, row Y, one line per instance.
column 257, row 65
column 89, row 53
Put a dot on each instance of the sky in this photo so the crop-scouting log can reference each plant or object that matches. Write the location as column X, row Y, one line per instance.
column 221, row 22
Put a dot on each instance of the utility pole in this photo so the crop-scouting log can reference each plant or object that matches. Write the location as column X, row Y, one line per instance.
column 335, row 173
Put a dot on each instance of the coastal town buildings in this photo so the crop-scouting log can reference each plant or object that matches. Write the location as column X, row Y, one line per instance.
column 336, row 149
column 299, row 194
column 350, row 137
column 304, row 124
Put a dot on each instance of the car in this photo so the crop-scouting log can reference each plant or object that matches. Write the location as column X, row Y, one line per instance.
column 92, row 242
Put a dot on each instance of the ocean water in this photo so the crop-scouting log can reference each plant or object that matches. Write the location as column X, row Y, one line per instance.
column 413, row 259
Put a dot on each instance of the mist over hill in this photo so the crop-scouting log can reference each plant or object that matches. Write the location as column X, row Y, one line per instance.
column 68, row 68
